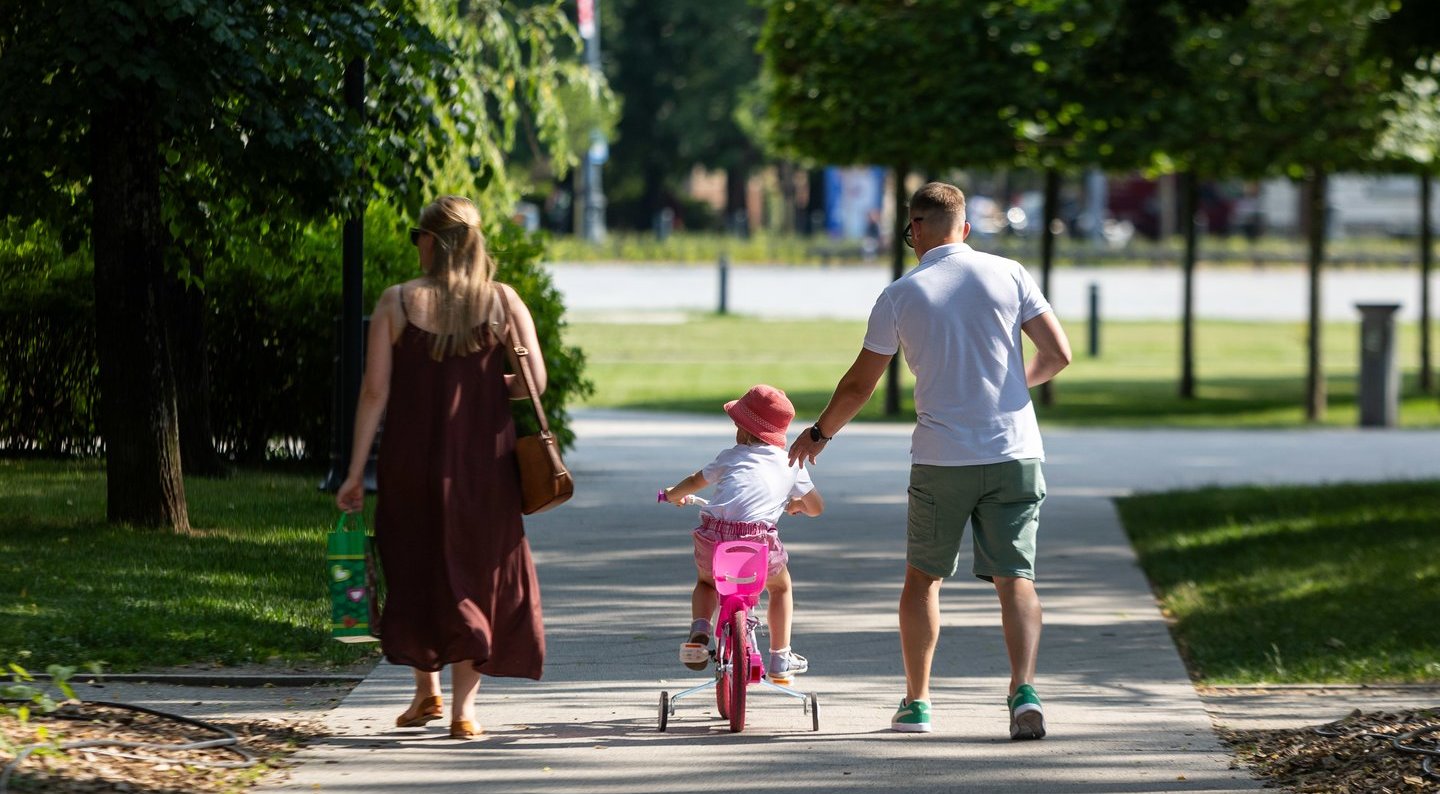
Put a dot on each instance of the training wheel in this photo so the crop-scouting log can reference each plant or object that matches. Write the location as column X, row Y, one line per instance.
column 665, row 710
column 814, row 710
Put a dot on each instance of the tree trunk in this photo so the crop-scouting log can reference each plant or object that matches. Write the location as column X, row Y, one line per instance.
column 1315, row 397
column 1427, row 374
column 184, row 312
column 1189, row 204
column 1047, row 255
column 654, row 198
column 137, row 386
column 737, row 197
column 814, row 203
column 897, row 269
column 791, row 215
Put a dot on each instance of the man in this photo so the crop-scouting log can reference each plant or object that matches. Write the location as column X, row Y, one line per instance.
column 976, row 450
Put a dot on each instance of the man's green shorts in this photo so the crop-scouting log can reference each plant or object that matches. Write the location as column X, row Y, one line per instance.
column 1000, row 500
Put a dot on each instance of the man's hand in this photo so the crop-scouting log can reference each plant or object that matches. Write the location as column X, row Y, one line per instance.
column 804, row 450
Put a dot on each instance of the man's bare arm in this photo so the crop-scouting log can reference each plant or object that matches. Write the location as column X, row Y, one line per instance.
column 851, row 394
column 1052, row 349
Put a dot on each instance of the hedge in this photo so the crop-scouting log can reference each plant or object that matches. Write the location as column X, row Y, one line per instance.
column 271, row 330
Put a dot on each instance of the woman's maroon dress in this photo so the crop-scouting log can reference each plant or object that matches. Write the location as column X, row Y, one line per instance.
column 460, row 583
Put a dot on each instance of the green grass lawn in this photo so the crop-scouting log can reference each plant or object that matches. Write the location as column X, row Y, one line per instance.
column 1337, row 583
column 246, row 586
column 1248, row 374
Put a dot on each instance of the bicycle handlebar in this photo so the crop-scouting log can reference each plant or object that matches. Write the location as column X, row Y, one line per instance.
column 692, row 499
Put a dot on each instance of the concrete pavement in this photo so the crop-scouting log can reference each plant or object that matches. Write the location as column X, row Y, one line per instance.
column 616, row 577
column 1126, row 293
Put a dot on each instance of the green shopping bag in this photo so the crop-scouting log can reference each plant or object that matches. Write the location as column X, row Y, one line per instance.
column 350, row 569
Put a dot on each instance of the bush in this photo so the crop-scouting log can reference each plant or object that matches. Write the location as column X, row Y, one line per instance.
column 271, row 333
column 48, row 392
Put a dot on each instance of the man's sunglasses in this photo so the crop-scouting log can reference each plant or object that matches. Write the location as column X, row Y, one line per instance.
column 908, row 237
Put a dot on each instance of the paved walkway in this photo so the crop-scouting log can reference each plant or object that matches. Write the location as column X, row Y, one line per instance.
column 1126, row 293
column 616, row 578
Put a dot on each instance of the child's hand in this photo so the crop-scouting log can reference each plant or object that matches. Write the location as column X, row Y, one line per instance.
column 795, row 507
column 678, row 501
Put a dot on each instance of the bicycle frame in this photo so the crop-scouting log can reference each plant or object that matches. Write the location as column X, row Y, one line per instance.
column 739, row 568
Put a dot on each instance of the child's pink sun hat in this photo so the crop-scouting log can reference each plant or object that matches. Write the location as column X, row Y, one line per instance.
column 764, row 412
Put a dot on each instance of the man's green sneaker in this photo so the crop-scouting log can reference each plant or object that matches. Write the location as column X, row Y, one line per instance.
column 1027, row 719
column 913, row 717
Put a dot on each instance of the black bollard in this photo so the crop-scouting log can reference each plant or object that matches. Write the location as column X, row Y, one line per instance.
column 1094, row 320
column 724, row 283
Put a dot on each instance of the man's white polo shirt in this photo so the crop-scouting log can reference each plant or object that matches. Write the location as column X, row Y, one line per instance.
column 957, row 316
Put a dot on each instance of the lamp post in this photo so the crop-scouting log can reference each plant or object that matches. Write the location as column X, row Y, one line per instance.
column 598, row 152
column 352, row 340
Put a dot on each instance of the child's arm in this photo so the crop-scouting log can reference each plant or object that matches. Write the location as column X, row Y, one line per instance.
column 676, row 493
column 811, row 504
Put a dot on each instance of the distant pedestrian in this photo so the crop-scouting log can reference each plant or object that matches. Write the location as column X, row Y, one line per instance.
column 461, row 588
column 976, row 450
column 754, row 484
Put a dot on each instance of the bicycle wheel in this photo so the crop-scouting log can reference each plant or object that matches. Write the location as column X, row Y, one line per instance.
column 739, row 670
column 722, row 678
column 664, row 710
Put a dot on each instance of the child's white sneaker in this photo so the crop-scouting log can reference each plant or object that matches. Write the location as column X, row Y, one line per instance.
column 785, row 663
column 695, row 652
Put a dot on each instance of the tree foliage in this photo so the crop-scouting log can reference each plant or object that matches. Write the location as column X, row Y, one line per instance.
column 1288, row 86
column 682, row 69
column 246, row 97
column 530, row 92
column 158, row 125
column 933, row 84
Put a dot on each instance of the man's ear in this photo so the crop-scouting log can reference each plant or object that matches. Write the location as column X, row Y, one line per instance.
column 965, row 231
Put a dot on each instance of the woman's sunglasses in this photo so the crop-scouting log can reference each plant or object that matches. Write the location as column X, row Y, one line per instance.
column 415, row 232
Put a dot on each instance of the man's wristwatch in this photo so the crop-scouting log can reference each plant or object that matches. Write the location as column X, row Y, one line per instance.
column 817, row 436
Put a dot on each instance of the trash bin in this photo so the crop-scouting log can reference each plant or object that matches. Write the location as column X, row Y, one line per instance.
column 1379, row 379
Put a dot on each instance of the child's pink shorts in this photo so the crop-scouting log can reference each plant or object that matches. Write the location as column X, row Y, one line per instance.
column 712, row 531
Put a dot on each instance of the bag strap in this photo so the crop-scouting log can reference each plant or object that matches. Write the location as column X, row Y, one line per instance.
column 522, row 358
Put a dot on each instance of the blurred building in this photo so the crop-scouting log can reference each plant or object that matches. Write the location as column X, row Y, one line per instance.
column 1358, row 204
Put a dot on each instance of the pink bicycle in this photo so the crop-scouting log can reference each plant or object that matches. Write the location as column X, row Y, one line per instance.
column 739, row 568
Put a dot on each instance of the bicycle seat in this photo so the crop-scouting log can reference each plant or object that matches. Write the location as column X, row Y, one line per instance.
column 739, row 567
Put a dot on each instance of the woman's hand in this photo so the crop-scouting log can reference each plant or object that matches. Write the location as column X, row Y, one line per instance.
column 351, row 496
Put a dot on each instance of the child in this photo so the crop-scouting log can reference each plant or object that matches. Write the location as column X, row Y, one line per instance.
column 754, row 484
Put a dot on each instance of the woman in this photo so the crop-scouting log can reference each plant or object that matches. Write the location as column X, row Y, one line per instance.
column 461, row 586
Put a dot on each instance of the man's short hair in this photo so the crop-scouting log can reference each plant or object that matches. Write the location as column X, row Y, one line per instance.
column 939, row 198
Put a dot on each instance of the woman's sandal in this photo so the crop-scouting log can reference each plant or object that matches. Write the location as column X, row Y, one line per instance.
column 428, row 710
column 465, row 729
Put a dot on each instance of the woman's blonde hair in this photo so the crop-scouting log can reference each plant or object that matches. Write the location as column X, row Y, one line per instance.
column 463, row 273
